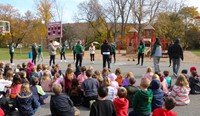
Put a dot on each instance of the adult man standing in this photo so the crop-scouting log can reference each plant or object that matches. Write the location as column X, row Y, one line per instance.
column 11, row 51
column 34, row 52
column 176, row 55
column 169, row 53
column 106, row 51
column 52, row 52
column 79, row 53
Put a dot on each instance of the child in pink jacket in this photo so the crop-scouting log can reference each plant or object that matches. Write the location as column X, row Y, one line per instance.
column 114, row 83
column 82, row 76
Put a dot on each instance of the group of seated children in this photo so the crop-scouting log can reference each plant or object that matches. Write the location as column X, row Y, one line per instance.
column 105, row 93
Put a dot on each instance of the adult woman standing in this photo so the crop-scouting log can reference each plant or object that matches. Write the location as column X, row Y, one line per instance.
column 52, row 52
column 92, row 52
column 141, row 49
column 156, row 54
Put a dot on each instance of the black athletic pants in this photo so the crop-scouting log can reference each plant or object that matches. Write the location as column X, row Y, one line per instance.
column 52, row 58
column 140, row 55
column 11, row 57
column 79, row 58
column 34, row 58
column 92, row 57
column 62, row 55
column 106, row 58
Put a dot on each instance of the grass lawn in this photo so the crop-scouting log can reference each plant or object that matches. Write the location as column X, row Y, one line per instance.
column 197, row 52
column 19, row 53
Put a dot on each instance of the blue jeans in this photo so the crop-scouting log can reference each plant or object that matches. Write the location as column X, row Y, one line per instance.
column 176, row 65
column 156, row 61
column 42, row 98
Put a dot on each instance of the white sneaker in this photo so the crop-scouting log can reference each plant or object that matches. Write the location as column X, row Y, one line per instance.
column 60, row 60
column 13, row 64
column 65, row 60
column 92, row 62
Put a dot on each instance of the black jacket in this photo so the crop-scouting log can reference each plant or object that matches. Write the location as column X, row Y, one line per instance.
column 103, row 108
column 176, row 51
column 34, row 50
column 61, row 105
column 194, row 85
column 169, row 51
column 106, row 48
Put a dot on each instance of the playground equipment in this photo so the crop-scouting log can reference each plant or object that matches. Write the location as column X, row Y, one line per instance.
column 132, row 41
column 4, row 27
column 148, row 37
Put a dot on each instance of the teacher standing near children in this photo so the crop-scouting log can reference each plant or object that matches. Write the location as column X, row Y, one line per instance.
column 156, row 54
column 92, row 52
column 141, row 48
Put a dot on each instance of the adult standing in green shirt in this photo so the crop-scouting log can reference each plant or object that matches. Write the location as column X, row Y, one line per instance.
column 141, row 49
column 11, row 51
column 79, row 53
column 40, row 54
column 62, row 52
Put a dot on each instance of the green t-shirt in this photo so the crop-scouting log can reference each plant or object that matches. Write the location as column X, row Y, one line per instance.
column 141, row 48
column 39, row 49
column 79, row 49
column 63, row 49
column 113, row 48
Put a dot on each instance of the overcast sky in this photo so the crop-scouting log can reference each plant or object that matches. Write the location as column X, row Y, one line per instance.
column 70, row 6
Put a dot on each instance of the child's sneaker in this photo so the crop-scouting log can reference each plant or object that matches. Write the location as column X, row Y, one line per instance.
column 91, row 102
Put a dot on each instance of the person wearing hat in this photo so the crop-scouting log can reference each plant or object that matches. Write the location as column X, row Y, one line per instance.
column 194, row 81
column 176, row 55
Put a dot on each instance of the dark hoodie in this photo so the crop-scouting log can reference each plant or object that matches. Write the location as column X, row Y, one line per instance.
column 26, row 104
column 194, row 83
column 176, row 50
column 106, row 48
column 158, row 94
column 61, row 105
column 142, row 102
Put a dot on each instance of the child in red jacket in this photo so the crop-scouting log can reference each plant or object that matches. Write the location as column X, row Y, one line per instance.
column 121, row 103
column 169, row 104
